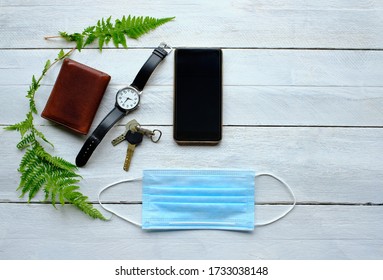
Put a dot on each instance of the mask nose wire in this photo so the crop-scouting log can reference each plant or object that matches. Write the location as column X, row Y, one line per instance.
column 112, row 211
column 291, row 193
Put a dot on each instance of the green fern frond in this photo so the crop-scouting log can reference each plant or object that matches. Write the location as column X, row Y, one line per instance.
column 54, row 175
column 26, row 141
column 51, row 192
column 80, row 201
column 105, row 31
column 47, row 65
column 56, row 182
column 32, row 106
column 28, row 158
column 68, row 180
column 41, row 136
column 54, row 161
column 37, row 183
column 39, row 169
column 23, row 126
column 33, row 87
column 32, row 179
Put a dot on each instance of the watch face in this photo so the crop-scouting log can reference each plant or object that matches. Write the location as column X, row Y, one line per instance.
column 128, row 98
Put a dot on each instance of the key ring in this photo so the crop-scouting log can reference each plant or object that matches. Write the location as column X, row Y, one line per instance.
column 155, row 138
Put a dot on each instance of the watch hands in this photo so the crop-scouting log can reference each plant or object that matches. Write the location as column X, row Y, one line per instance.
column 128, row 98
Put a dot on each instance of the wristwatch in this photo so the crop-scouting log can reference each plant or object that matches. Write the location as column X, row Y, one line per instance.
column 127, row 100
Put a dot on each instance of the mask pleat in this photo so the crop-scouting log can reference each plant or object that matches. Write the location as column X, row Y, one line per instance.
column 202, row 199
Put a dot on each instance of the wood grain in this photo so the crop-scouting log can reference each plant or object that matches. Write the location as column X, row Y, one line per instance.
column 250, row 106
column 250, row 67
column 323, row 165
column 241, row 23
column 330, row 232
column 303, row 99
column 309, row 88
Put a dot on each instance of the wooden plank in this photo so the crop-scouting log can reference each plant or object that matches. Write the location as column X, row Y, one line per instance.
column 323, row 165
column 294, row 105
column 241, row 67
column 243, row 105
column 305, row 88
column 260, row 4
column 329, row 232
column 240, row 23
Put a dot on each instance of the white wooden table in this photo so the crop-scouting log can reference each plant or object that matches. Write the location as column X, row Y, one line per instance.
column 303, row 99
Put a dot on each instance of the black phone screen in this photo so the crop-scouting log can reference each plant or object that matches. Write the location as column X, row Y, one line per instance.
column 198, row 95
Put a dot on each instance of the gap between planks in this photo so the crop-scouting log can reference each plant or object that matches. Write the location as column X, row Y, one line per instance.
column 282, row 203
column 223, row 48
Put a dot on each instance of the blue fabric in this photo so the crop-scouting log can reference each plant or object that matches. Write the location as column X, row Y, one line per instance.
column 198, row 199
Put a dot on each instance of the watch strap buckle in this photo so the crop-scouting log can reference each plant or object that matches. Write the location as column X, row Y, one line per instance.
column 166, row 47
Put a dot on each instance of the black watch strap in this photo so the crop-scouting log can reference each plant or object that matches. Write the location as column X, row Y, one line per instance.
column 147, row 69
column 116, row 114
column 93, row 140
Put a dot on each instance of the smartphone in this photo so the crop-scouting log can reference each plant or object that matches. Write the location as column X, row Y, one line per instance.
column 197, row 96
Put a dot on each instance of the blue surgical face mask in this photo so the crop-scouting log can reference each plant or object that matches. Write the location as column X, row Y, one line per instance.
column 198, row 199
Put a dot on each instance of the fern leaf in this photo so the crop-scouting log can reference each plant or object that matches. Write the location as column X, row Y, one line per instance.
column 104, row 30
column 52, row 186
column 33, row 179
column 32, row 106
column 40, row 170
column 122, row 40
column 101, row 41
column 89, row 29
column 26, row 174
column 69, row 179
column 16, row 126
column 61, row 55
column 79, row 41
column 23, row 126
column 57, row 177
column 35, row 85
column 64, row 164
column 115, row 38
column 26, row 141
column 37, row 184
column 90, row 39
column 53, row 196
column 47, row 66
column 27, row 159
column 54, row 161
column 61, row 198
column 80, row 201
column 42, row 136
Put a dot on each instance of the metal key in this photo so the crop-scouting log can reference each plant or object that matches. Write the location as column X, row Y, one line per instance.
column 134, row 139
column 154, row 135
column 132, row 126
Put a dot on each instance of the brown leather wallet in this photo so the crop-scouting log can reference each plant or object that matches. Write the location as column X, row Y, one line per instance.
column 76, row 96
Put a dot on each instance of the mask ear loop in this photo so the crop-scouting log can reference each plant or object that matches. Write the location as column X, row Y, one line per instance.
column 112, row 211
column 292, row 195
